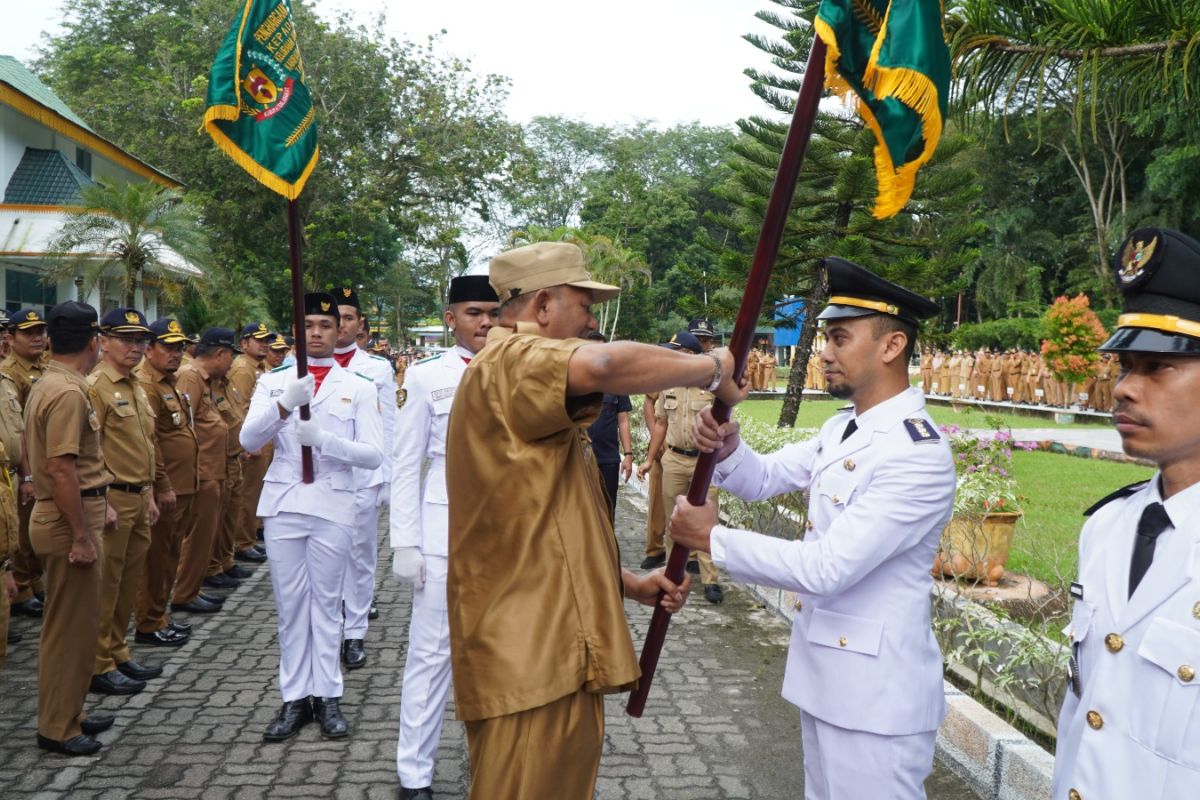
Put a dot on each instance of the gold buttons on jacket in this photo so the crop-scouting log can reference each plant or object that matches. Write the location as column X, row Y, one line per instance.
column 1114, row 642
column 848, row 465
column 836, row 499
column 798, row 606
column 1186, row 673
column 1095, row 720
column 808, row 526
column 842, row 642
column 1074, row 795
column 1196, row 610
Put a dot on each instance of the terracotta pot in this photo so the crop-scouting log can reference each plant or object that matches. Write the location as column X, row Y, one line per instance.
column 976, row 549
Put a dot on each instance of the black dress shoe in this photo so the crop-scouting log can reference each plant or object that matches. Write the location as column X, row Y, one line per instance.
column 328, row 714
column 97, row 723
column 238, row 573
column 116, row 682
column 179, row 627
column 163, row 637
column 215, row 599
column 653, row 562
column 261, row 547
column 693, row 567
column 293, row 715
column 14, row 637
column 713, row 593
column 81, row 745
column 29, row 608
column 197, row 606
column 258, row 534
column 353, row 655
column 139, row 672
column 221, row 581
column 373, row 613
column 250, row 555
column 424, row 793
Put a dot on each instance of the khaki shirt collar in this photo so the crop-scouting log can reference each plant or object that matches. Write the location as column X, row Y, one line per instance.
column 112, row 373
column 500, row 332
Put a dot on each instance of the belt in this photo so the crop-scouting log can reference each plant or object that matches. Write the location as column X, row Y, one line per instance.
column 132, row 488
column 682, row 452
column 99, row 491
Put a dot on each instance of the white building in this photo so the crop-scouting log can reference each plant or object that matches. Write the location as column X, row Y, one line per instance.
column 47, row 154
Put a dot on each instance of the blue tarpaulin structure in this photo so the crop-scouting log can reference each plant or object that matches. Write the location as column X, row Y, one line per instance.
column 789, row 317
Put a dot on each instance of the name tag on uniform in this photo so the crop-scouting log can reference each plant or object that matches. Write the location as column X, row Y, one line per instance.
column 346, row 400
column 1077, row 591
column 276, row 392
column 122, row 402
column 442, row 394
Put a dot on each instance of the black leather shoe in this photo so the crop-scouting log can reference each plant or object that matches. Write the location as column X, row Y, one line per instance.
column 14, row 637
column 81, row 745
column 353, row 655
column 258, row 534
column 221, row 581
column 373, row 613
column 250, row 555
column 424, row 793
column 261, row 546
column 328, row 714
column 713, row 593
column 116, row 682
column 216, row 599
column 97, row 723
column 293, row 715
column 693, row 567
column 163, row 637
column 179, row 627
column 653, row 562
column 29, row 608
column 197, row 606
column 139, row 672
column 238, row 573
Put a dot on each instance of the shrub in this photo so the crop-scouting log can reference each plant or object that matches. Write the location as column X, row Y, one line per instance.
column 1073, row 332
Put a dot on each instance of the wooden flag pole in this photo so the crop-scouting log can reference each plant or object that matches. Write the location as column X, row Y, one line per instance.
column 765, row 253
column 295, row 242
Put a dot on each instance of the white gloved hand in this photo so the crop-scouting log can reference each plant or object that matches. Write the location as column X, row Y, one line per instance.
column 311, row 434
column 297, row 393
column 409, row 565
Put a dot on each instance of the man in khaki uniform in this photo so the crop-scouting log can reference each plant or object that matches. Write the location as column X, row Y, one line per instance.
column 753, row 370
column 538, row 631
column 656, row 526
column 11, row 430
column 243, row 375
column 24, row 364
column 277, row 350
column 223, row 571
column 197, row 380
column 1106, row 371
column 767, row 364
column 127, row 443
column 927, row 371
column 69, row 515
column 176, row 461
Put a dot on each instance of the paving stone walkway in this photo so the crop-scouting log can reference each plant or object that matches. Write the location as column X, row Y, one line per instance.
column 715, row 727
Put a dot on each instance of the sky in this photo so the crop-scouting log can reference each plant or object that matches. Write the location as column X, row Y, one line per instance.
column 613, row 62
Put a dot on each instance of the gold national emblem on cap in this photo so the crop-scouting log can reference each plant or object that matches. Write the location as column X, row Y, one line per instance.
column 262, row 327
column 1135, row 258
column 347, row 291
column 173, row 327
column 131, row 317
column 32, row 315
column 324, row 306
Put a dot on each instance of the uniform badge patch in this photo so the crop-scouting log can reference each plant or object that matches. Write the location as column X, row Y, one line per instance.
column 442, row 394
column 276, row 392
column 920, row 430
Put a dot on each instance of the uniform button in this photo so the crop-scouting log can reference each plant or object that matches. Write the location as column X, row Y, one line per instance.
column 848, row 465
column 1186, row 673
column 798, row 605
column 1114, row 642
column 837, row 499
column 1196, row 611
column 1074, row 795
column 1095, row 720
column 842, row 642
column 808, row 526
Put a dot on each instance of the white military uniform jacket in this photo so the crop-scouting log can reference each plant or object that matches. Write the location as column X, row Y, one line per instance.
column 346, row 405
column 379, row 371
column 420, row 514
column 1134, row 728
column 862, row 655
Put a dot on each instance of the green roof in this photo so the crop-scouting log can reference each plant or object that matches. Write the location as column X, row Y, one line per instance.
column 45, row 178
column 15, row 74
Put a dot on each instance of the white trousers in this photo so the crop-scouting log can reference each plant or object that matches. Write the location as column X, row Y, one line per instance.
column 841, row 764
column 426, row 679
column 358, row 591
column 308, row 562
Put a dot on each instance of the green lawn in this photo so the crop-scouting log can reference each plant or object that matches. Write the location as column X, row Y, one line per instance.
column 813, row 414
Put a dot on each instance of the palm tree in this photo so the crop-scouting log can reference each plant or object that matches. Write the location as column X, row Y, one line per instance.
column 132, row 230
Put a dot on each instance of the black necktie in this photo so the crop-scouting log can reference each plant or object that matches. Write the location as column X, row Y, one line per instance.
column 1153, row 522
column 850, row 428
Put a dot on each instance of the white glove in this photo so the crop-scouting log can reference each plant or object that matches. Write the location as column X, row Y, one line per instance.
column 297, row 393
column 311, row 434
column 409, row 565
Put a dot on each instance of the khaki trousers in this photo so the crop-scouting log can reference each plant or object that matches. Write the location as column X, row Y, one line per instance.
column 197, row 547
column 231, row 518
column 677, row 477
column 71, row 621
column 768, row 378
column 552, row 751
column 27, row 567
column 162, row 565
column 125, row 550
column 656, row 526
column 8, row 519
column 253, row 472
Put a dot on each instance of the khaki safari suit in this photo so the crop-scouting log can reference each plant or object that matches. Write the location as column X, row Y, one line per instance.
column 767, row 364
column 176, row 463
column 656, row 526
column 11, row 428
column 195, row 384
column 60, row 421
column 243, row 375
column 679, row 408
column 127, row 443
column 537, row 625
column 230, row 404
column 753, row 371
column 27, row 570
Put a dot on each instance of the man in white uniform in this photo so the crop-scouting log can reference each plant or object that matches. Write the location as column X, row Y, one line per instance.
column 309, row 527
column 1130, row 723
column 358, row 593
column 863, row 665
column 419, row 528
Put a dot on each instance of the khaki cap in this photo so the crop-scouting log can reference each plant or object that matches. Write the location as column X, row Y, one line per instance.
column 542, row 265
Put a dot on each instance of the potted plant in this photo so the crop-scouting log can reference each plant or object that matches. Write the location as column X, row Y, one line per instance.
column 976, row 543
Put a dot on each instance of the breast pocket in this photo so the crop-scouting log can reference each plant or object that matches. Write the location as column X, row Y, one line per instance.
column 173, row 410
column 836, row 491
column 844, row 632
column 341, row 412
column 1165, row 712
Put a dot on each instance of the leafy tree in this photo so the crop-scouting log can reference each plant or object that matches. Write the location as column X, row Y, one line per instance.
column 1073, row 332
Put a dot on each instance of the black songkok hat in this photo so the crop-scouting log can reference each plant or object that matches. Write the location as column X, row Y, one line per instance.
column 346, row 296
column 321, row 303
column 1158, row 271
column 468, row 288
column 858, row 292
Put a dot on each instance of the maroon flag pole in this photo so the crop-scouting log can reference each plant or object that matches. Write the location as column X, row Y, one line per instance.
column 295, row 242
column 765, row 253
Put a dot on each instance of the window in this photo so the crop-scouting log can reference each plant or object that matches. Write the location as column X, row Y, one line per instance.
column 25, row 289
column 83, row 160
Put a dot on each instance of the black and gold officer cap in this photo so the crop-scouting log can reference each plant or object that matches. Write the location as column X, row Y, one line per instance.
column 72, row 316
column 1158, row 272
column 168, row 331
column 858, row 292
column 125, row 320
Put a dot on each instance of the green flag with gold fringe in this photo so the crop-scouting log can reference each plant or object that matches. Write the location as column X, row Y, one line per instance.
column 890, row 58
column 259, row 110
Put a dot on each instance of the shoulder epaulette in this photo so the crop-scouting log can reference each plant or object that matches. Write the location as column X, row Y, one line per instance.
column 844, row 409
column 92, row 378
column 378, row 358
column 281, row 369
column 427, row 358
column 364, row 377
column 1124, row 491
column 920, row 430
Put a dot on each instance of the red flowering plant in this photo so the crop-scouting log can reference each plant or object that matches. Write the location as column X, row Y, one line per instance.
column 1073, row 332
column 983, row 464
